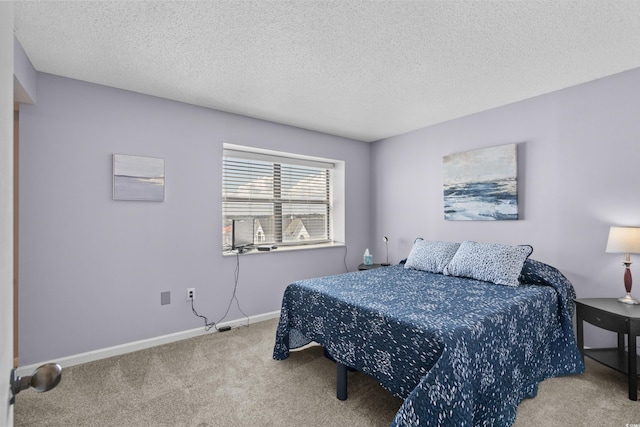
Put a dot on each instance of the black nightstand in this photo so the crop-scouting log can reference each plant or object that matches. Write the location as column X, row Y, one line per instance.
column 370, row 267
column 609, row 314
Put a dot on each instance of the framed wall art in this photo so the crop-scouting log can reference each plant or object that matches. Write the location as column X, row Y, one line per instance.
column 481, row 185
column 138, row 178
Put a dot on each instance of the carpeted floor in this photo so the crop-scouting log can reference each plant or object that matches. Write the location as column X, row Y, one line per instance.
column 230, row 379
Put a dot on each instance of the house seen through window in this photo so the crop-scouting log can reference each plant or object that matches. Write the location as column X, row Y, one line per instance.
column 277, row 200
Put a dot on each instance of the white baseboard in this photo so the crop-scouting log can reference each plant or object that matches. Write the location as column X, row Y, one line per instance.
column 117, row 350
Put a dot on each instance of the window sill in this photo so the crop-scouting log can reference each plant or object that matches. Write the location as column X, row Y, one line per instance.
column 286, row 249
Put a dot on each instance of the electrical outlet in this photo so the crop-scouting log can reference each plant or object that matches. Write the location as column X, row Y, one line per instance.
column 191, row 294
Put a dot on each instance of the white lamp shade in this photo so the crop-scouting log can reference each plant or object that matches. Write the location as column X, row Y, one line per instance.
column 624, row 240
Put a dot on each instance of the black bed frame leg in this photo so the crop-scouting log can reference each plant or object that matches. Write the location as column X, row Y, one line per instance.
column 341, row 381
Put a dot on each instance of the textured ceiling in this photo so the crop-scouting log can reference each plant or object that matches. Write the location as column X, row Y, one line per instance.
column 361, row 69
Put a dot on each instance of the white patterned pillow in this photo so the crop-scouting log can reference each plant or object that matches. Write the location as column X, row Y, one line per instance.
column 490, row 262
column 432, row 256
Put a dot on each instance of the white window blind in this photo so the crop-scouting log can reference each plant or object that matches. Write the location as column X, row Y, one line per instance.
column 288, row 199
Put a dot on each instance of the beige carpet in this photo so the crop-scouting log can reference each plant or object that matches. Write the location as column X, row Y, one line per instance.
column 230, row 379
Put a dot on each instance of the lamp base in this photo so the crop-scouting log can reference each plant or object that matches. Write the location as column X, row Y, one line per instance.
column 628, row 299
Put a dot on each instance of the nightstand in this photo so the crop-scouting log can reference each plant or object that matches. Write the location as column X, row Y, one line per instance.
column 609, row 314
column 362, row 267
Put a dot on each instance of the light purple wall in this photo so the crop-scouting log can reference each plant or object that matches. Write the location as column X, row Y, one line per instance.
column 24, row 71
column 578, row 156
column 92, row 269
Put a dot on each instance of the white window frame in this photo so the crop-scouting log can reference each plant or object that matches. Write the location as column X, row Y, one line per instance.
column 337, row 194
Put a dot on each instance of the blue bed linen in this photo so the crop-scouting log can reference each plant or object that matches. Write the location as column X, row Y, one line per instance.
column 459, row 351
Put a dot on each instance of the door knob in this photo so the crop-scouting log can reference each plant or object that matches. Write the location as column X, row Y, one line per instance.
column 44, row 378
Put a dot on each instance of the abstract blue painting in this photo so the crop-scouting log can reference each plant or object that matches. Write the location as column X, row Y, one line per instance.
column 138, row 178
column 481, row 185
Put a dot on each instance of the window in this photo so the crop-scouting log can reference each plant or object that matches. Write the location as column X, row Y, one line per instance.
column 288, row 199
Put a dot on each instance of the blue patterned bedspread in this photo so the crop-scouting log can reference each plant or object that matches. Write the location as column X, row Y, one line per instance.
column 461, row 352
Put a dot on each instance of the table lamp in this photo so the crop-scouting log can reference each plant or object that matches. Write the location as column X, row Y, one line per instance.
column 386, row 242
column 625, row 240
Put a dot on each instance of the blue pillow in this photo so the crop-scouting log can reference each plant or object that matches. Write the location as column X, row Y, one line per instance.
column 432, row 256
column 489, row 262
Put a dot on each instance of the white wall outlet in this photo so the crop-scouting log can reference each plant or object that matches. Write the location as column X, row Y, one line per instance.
column 191, row 294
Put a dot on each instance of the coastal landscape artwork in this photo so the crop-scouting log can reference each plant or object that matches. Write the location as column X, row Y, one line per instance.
column 481, row 185
column 138, row 178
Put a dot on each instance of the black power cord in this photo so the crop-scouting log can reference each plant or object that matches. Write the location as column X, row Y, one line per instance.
column 345, row 258
column 208, row 325
column 235, row 287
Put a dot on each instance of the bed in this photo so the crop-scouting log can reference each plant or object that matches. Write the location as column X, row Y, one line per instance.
column 447, row 333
